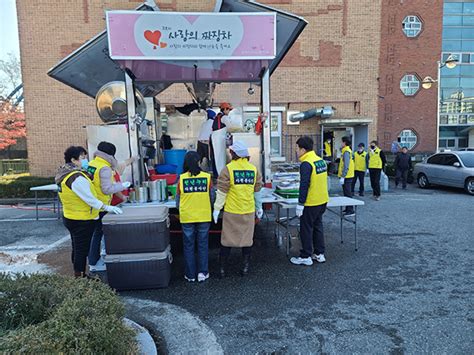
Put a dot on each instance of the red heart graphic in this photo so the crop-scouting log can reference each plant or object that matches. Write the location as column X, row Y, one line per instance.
column 153, row 37
column 163, row 45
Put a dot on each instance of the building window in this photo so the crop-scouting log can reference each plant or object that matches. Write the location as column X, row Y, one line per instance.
column 407, row 138
column 409, row 84
column 412, row 26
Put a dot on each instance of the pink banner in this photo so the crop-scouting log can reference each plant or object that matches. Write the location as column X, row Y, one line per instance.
column 191, row 36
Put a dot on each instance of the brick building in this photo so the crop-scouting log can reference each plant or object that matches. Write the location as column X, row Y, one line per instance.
column 411, row 46
column 343, row 58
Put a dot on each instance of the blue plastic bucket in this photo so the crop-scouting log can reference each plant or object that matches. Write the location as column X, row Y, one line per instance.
column 166, row 168
column 175, row 157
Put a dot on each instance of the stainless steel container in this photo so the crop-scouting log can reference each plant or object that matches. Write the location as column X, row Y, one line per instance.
column 132, row 196
column 164, row 194
column 142, row 194
column 155, row 191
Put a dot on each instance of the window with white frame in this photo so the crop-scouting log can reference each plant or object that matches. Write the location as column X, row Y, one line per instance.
column 409, row 84
column 407, row 138
column 412, row 26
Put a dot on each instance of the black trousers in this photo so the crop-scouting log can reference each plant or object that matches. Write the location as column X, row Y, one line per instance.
column 358, row 175
column 401, row 174
column 347, row 190
column 203, row 150
column 81, row 236
column 311, row 230
column 225, row 251
column 375, row 180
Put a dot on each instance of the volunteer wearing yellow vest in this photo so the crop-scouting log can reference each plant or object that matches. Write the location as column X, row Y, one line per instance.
column 346, row 172
column 312, row 201
column 238, row 189
column 328, row 149
column 80, row 205
column 194, row 203
column 360, row 167
column 376, row 163
column 101, row 171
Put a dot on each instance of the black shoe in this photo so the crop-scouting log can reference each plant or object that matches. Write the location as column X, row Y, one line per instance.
column 245, row 266
column 222, row 266
column 349, row 213
column 361, row 194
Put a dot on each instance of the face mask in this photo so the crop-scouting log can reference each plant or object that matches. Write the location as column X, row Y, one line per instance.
column 372, row 146
column 84, row 163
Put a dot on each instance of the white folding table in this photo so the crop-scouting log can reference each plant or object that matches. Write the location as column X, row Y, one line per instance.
column 52, row 188
column 334, row 202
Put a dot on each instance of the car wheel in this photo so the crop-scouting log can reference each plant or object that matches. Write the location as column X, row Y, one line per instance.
column 469, row 186
column 423, row 181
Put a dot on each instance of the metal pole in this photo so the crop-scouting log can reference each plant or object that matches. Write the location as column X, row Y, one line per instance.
column 341, row 217
column 132, row 130
column 265, row 106
column 438, row 106
column 355, row 228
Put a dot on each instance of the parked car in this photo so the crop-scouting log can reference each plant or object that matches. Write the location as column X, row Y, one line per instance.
column 448, row 168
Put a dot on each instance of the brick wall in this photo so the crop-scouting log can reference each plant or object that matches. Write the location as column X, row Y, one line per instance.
column 335, row 62
column 401, row 55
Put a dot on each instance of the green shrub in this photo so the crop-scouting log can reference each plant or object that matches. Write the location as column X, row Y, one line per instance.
column 58, row 314
column 18, row 186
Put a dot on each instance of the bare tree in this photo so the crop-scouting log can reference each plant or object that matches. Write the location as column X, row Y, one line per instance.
column 10, row 74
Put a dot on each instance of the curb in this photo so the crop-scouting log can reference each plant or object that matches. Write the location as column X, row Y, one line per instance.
column 182, row 332
column 146, row 344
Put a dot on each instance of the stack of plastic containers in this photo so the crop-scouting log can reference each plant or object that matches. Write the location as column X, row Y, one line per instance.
column 137, row 244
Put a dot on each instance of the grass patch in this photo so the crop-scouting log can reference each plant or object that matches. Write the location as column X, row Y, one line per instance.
column 43, row 314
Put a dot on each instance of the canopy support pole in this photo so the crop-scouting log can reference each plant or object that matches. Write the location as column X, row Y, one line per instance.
column 266, row 135
column 133, row 131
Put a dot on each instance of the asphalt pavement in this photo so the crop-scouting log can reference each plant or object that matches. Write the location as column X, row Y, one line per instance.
column 409, row 288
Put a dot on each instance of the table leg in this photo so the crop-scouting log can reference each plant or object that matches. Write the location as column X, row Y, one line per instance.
column 59, row 205
column 36, row 204
column 341, row 217
column 355, row 228
column 288, row 234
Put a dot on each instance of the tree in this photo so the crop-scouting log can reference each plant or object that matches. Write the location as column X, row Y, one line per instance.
column 10, row 74
column 12, row 124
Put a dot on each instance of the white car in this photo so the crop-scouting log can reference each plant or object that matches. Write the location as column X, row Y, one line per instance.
column 448, row 168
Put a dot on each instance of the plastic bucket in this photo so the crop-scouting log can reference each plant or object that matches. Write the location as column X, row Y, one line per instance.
column 175, row 157
column 166, row 168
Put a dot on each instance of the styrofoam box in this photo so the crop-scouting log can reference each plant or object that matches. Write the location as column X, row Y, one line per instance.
column 139, row 271
column 141, row 229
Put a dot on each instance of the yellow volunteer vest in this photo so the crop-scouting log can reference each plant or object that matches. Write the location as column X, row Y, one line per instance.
column 73, row 206
column 318, row 185
column 375, row 162
column 93, row 169
column 327, row 149
column 360, row 163
column 350, row 171
column 240, row 198
column 194, row 200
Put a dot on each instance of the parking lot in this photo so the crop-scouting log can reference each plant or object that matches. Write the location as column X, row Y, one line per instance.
column 409, row 288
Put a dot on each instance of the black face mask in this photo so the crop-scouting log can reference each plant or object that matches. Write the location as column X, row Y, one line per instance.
column 372, row 146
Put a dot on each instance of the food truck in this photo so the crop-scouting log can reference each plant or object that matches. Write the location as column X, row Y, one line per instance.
column 126, row 67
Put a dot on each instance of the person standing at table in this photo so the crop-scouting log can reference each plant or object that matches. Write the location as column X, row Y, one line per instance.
column 312, row 201
column 360, row 167
column 376, row 164
column 101, row 171
column 193, row 199
column 346, row 173
column 81, row 207
column 238, row 188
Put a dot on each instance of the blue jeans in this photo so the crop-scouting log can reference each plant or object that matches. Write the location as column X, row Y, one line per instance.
column 94, row 250
column 192, row 233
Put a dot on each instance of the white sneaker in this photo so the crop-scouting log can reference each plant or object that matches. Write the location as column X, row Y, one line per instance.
column 188, row 279
column 99, row 266
column 202, row 277
column 301, row 261
column 319, row 258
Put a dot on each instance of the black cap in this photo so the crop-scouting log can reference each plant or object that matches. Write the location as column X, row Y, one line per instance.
column 107, row 148
column 361, row 145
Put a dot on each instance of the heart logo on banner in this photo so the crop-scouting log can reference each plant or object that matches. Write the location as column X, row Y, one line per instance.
column 154, row 38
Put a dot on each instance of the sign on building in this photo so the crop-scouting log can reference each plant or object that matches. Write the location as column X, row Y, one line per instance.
column 191, row 36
